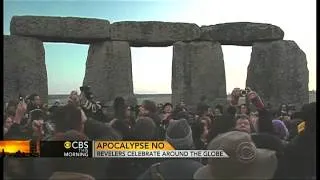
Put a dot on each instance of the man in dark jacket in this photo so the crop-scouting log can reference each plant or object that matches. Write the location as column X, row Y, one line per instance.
column 179, row 134
column 299, row 160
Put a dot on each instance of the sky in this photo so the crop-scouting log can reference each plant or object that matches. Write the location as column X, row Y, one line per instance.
column 66, row 62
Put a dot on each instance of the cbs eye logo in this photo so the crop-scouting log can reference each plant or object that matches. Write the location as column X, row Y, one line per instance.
column 67, row 144
column 76, row 145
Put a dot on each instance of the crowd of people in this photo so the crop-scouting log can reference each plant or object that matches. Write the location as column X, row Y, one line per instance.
column 261, row 143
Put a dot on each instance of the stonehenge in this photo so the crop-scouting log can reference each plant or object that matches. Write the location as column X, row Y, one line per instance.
column 25, row 70
column 241, row 33
column 61, row 29
column 152, row 33
column 198, row 70
column 108, row 70
column 286, row 65
column 277, row 69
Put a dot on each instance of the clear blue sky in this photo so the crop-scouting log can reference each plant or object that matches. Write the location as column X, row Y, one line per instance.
column 66, row 62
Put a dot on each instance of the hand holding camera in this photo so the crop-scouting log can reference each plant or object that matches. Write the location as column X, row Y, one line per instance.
column 255, row 99
column 244, row 92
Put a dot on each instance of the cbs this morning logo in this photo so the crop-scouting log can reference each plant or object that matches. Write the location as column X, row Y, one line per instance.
column 76, row 149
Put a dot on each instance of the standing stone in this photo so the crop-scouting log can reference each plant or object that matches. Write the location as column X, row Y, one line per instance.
column 278, row 72
column 61, row 29
column 108, row 70
column 197, row 70
column 241, row 33
column 24, row 68
column 153, row 33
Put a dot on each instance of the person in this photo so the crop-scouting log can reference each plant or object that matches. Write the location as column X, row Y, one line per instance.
column 283, row 110
column 68, row 117
column 231, row 110
column 56, row 104
column 160, row 107
column 244, row 109
column 265, row 137
column 144, row 130
column 97, row 130
column 280, row 130
column 179, row 135
column 14, row 128
column 121, row 121
column 221, row 124
column 243, row 123
column 166, row 115
column 293, row 124
column 254, row 118
column 62, row 168
column 218, row 110
column 245, row 161
column 10, row 112
column 203, row 110
column 90, row 107
column 200, row 131
column 149, row 109
column 299, row 159
column 35, row 102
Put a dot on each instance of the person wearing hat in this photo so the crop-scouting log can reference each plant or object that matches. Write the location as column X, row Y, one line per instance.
column 280, row 129
column 299, row 160
column 179, row 135
column 245, row 160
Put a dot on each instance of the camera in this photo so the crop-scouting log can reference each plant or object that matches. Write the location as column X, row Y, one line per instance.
column 85, row 89
column 20, row 98
column 244, row 92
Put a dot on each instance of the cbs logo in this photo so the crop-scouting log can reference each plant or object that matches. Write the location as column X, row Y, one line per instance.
column 76, row 144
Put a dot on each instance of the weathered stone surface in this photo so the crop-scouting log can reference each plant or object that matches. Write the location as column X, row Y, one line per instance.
column 197, row 70
column 153, row 33
column 241, row 33
column 61, row 29
column 278, row 72
column 108, row 70
column 24, row 68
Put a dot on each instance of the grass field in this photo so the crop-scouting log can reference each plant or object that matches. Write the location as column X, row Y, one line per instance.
column 158, row 98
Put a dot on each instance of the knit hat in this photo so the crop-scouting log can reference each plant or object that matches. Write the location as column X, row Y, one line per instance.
column 179, row 134
column 280, row 129
column 245, row 160
column 144, row 129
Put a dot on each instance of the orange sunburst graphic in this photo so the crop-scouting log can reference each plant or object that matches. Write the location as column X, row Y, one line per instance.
column 11, row 147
